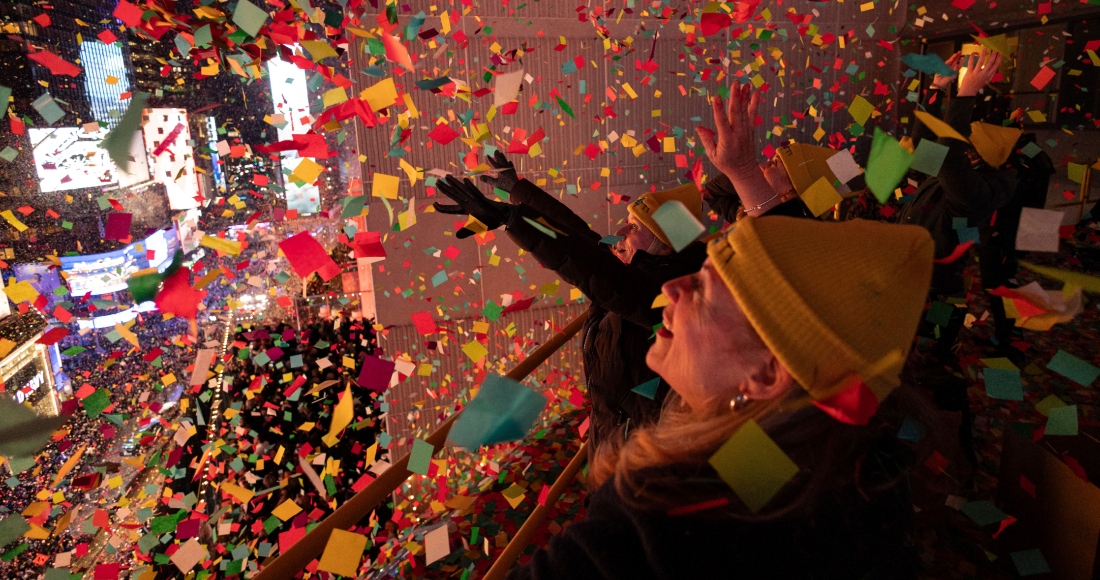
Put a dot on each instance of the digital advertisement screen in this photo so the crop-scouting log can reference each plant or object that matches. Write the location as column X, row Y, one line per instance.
column 171, row 158
column 101, row 273
column 105, row 273
column 44, row 279
column 68, row 158
column 291, row 98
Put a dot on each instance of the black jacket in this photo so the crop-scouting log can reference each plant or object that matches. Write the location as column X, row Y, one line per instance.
column 845, row 536
column 619, row 328
column 959, row 191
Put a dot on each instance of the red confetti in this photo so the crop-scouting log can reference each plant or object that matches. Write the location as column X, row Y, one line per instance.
column 56, row 64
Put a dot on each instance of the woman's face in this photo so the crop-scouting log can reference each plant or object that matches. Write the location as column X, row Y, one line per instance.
column 776, row 174
column 707, row 349
column 635, row 237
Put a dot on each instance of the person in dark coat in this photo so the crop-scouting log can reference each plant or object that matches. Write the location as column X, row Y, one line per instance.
column 965, row 193
column 620, row 279
column 997, row 250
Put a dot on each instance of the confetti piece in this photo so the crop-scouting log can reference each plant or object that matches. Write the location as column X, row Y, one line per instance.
column 118, row 142
column 886, row 165
column 420, row 458
column 938, row 127
column 385, row 186
column 188, row 555
column 844, row 166
column 861, row 110
column 506, row 87
column 307, row 256
column 342, row 553
column 1073, row 368
column 753, row 466
column 375, row 373
column 222, row 245
column 503, row 410
column 648, row 389
column 1030, row 562
column 930, row 63
column 929, row 156
column 249, row 17
column 437, row 544
column 1003, row 384
column 56, row 64
column 821, row 197
column 1038, row 230
column 678, row 224
column 994, row 144
column 1062, row 420
column 342, row 414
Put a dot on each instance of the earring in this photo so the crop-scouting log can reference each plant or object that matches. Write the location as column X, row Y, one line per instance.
column 739, row 402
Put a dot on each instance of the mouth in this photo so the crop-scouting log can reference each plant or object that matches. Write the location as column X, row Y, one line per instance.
column 666, row 327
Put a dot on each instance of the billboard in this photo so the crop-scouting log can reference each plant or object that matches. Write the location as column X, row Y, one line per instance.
column 171, row 159
column 69, row 158
column 291, row 98
column 101, row 273
column 107, row 272
column 44, row 279
column 106, row 78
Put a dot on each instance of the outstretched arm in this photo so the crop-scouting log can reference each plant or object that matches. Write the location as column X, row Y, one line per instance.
column 731, row 150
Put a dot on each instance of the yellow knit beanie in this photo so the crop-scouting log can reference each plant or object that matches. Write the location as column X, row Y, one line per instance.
column 830, row 300
column 643, row 207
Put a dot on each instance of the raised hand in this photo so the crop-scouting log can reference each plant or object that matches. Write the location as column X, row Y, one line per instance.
column 730, row 149
column 470, row 201
column 943, row 82
column 506, row 177
column 980, row 69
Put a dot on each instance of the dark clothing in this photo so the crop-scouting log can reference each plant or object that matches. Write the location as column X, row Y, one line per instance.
column 619, row 327
column 959, row 191
column 844, row 536
column 997, row 251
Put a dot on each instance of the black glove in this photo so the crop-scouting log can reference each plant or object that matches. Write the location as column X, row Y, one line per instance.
column 506, row 177
column 471, row 201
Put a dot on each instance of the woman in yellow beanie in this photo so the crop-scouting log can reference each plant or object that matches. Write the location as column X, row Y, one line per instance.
column 772, row 459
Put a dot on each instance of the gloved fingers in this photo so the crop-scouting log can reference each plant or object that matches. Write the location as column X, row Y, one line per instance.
column 448, row 208
column 464, row 233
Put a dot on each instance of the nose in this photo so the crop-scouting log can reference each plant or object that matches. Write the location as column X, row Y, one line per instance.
column 676, row 287
column 622, row 231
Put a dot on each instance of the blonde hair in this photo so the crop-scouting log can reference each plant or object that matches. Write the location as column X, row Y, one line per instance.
column 665, row 466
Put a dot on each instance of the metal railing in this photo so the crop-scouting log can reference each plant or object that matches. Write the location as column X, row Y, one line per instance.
column 295, row 559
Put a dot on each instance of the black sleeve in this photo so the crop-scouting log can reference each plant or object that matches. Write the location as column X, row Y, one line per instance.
column 529, row 194
column 590, row 266
column 933, row 105
column 970, row 193
column 722, row 197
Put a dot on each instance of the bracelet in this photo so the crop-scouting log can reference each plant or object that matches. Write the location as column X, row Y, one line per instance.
column 756, row 207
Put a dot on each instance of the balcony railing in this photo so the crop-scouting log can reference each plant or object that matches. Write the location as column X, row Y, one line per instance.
column 290, row 563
